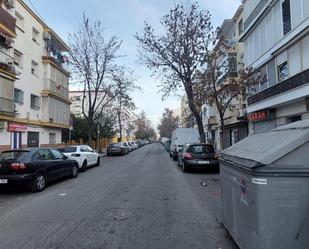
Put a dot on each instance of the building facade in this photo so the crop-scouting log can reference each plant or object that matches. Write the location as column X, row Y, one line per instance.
column 276, row 43
column 34, row 103
column 230, row 63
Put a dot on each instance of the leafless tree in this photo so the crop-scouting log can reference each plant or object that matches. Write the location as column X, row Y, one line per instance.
column 123, row 103
column 144, row 129
column 177, row 54
column 169, row 122
column 93, row 61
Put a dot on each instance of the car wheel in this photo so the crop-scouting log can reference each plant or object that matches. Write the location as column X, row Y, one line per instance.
column 39, row 183
column 98, row 162
column 184, row 167
column 84, row 166
column 74, row 172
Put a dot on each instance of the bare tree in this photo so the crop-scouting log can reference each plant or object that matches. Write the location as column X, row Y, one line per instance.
column 169, row 122
column 178, row 53
column 144, row 129
column 123, row 103
column 93, row 60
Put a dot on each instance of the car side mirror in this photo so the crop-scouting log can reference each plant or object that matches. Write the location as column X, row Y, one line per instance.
column 65, row 157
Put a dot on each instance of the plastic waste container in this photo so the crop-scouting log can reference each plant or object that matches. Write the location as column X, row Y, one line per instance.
column 265, row 189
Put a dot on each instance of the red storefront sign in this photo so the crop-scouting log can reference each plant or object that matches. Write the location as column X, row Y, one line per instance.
column 258, row 116
column 17, row 127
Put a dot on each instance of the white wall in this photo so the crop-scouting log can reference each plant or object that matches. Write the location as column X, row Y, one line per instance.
column 270, row 31
column 28, row 82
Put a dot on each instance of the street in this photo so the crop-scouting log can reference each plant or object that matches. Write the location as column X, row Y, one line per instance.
column 139, row 201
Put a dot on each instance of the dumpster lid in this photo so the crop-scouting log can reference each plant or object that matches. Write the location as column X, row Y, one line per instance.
column 265, row 148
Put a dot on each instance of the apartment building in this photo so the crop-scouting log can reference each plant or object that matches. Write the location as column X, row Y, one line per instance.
column 276, row 44
column 230, row 63
column 34, row 103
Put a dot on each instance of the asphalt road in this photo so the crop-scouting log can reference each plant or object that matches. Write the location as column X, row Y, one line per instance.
column 138, row 201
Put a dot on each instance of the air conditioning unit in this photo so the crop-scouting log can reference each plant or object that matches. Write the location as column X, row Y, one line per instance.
column 46, row 35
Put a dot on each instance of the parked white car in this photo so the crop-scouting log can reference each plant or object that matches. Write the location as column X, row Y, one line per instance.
column 83, row 154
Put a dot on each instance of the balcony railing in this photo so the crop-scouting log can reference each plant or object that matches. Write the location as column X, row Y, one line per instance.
column 282, row 87
column 6, row 105
column 56, row 88
column 227, row 76
column 8, row 21
column 58, row 62
column 6, row 63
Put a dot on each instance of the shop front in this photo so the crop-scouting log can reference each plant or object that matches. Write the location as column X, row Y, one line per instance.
column 16, row 131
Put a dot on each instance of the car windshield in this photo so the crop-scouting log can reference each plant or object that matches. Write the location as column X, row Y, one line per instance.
column 11, row 155
column 200, row 149
column 67, row 149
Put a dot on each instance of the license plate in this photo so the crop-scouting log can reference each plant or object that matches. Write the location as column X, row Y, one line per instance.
column 3, row 181
column 203, row 162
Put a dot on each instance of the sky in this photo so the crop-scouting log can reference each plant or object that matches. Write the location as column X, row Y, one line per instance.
column 125, row 18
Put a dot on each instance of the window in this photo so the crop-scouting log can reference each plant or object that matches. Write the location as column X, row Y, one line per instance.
column 89, row 149
column 68, row 149
column 263, row 78
column 240, row 27
column 200, row 149
column 33, row 139
column 283, row 71
column 43, row 155
column 286, row 17
column 35, row 102
column 34, row 68
column 19, row 21
column 232, row 64
column 35, row 35
column 57, row 154
column 18, row 96
column 18, row 58
column 271, row 72
column 234, row 136
column 52, row 138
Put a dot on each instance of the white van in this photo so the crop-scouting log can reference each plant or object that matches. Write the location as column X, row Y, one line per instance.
column 180, row 137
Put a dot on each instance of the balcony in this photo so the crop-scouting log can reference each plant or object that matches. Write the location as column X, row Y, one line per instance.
column 57, row 62
column 282, row 87
column 7, row 23
column 6, row 106
column 6, row 64
column 58, row 89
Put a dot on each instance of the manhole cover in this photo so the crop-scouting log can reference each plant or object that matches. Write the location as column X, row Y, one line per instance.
column 117, row 214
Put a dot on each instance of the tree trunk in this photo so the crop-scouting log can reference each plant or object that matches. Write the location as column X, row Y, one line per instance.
column 222, row 131
column 90, row 129
column 90, row 134
column 120, row 126
column 198, row 117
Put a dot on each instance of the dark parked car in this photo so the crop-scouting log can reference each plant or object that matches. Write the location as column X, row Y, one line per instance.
column 34, row 167
column 198, row 155
column 117, row 149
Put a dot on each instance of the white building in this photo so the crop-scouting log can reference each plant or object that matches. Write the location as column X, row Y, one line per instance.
column 34, row 99
column 276, row 40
